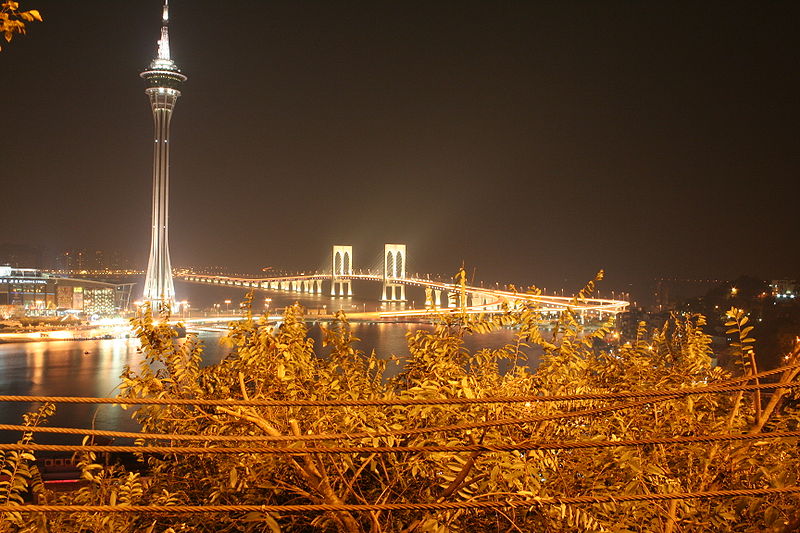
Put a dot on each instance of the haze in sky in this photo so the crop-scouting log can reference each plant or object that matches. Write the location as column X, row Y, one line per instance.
column 535, row 143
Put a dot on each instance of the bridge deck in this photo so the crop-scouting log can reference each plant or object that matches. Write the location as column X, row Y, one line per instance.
column 490, row 300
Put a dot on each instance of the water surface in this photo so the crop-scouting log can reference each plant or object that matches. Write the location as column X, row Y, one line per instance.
column 92, row 368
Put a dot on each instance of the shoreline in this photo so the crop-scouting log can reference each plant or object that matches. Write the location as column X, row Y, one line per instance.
column 24, row 337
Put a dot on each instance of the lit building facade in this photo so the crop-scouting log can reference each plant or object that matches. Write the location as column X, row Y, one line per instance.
column 164, row 79
column 31, row 292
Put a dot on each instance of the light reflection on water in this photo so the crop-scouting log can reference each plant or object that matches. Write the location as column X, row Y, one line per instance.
column 93, row 368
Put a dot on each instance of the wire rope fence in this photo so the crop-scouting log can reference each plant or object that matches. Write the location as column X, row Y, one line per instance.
column 404, row 506
column 222, row 444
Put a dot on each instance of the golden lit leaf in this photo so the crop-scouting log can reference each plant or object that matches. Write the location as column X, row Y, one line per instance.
column 272, row 523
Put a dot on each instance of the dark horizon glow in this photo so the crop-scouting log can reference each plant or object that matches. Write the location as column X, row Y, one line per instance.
column 534, row 143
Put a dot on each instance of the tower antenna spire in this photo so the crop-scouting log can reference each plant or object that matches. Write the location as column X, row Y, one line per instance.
column 163, row 43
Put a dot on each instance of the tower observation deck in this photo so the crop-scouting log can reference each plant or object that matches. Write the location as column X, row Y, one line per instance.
column 164, row 79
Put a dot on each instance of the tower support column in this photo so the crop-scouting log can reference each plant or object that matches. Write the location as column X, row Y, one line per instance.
column 164, row 79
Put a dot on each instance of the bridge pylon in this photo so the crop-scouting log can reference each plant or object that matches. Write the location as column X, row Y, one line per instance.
column 342, row 269
column 434, row 299
column 394, row 267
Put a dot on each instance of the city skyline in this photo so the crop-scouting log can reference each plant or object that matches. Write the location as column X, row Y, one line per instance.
column 533, row 143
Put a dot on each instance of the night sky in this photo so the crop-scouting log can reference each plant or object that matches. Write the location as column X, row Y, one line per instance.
column 537, row 143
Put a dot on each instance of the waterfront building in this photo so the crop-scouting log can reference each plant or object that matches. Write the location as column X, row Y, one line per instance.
column 164, row 79
column 31, row 292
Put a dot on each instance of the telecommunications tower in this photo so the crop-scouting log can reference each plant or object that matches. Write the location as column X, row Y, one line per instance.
column 164, row 79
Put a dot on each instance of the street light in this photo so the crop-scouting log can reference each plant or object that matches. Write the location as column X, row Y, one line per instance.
column 227, row 306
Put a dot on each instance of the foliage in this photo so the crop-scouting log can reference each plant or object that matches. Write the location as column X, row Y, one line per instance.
column 280, row 362
column 19, row 475
column 12, row 20
column 776, row 321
